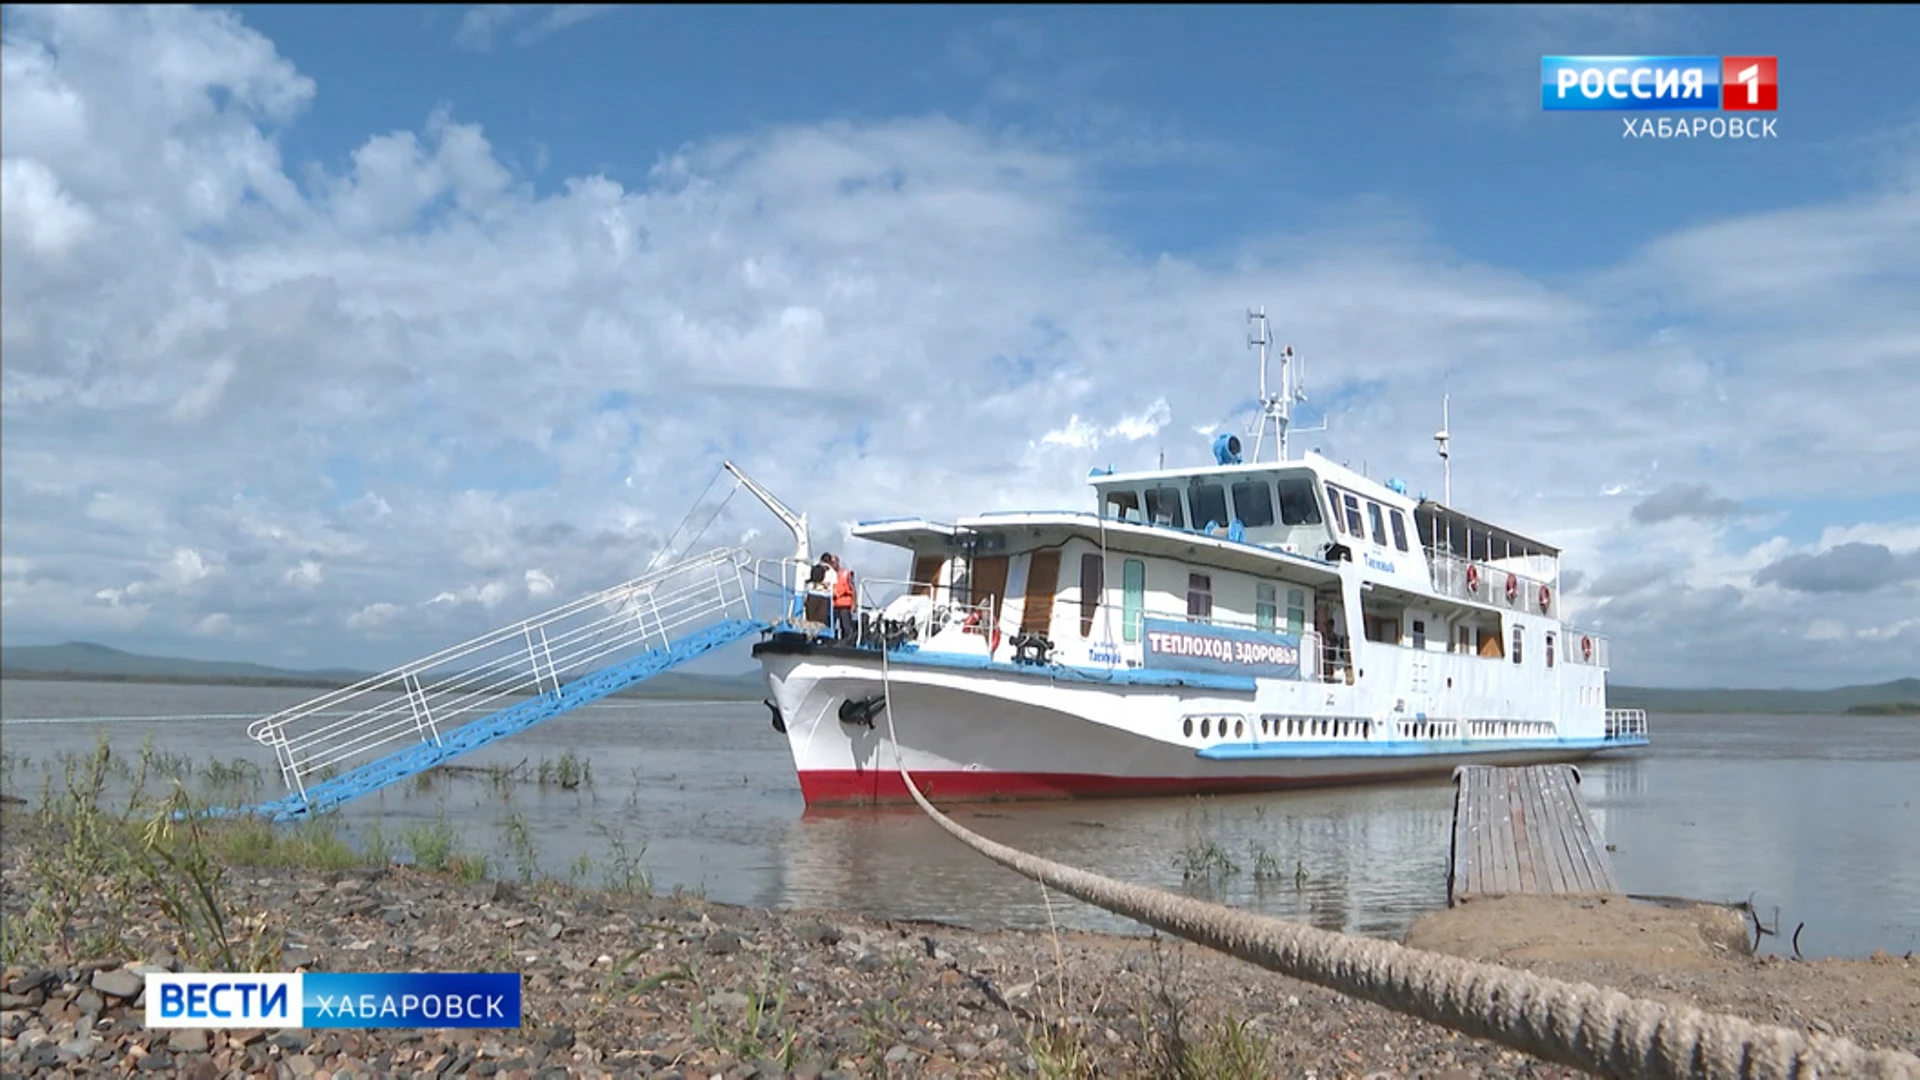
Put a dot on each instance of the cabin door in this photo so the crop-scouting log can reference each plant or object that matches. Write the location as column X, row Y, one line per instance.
column 989, row 584
column 1043, row 581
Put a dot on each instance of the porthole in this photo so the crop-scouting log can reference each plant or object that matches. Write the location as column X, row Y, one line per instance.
column 1186, row 727
column 1206, row 727
column 1239, row 731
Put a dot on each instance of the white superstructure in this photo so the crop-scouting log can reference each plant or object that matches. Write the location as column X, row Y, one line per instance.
column 1238, row 626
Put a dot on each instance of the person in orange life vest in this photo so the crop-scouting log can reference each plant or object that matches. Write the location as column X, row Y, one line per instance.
column 843, row 599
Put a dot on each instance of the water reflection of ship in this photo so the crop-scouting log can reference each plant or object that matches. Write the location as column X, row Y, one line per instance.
column 1362, row 860
column 1614, row 782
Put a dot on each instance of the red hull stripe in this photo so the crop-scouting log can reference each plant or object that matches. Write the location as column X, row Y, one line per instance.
column 842, row 787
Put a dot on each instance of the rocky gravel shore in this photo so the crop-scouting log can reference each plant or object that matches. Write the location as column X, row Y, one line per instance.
column 617, row 984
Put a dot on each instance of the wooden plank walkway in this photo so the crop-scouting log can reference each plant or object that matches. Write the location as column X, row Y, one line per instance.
column 1524, row 830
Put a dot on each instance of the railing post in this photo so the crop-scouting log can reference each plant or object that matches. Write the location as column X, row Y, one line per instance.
column 422, row 713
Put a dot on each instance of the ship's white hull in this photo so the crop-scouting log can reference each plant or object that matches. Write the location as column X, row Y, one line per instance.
column 998, row 733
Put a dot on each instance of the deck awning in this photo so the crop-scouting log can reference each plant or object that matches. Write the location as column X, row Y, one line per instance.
column 1443, row 528
column 917, row 534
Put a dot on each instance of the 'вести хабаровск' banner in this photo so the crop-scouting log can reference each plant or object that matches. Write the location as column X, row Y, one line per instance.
column 331, row 999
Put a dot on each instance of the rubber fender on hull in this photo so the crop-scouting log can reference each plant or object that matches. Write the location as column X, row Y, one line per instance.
column 862, row 710
column 779, row 722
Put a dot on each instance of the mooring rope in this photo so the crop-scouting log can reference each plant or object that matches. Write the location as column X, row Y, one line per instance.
column 1578, row 1024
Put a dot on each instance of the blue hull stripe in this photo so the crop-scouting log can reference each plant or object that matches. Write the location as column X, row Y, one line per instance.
column 1237, row 684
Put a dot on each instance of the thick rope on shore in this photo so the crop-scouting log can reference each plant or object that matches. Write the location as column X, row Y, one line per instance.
column 1577, row 1024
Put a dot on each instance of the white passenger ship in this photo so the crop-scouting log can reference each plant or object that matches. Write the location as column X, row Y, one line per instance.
column 1244, row 626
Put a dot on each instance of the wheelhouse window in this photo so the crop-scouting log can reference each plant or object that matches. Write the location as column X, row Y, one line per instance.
column 1333, row 503
column 1296, row 610
column 1266, row 612
column 1199, row 597
column 1133, row 598
column 1163, row 507
column 1297, row 505
column 1209, row 503
column 1399, row 529
column 1253, row 503
column 1093, row 582
column 1123, row 506
column 1379, row 524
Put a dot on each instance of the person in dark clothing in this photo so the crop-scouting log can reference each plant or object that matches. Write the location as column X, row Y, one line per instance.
column 819, row 608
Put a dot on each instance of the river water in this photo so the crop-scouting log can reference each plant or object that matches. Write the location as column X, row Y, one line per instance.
column 1816, row 818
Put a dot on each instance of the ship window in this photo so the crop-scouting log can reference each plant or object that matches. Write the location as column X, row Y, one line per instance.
column 1355, row 527
column 1209, row 503
column 1093, row 580
column 1199, row 597
column 1253, row 503
column 1265, row 610
column 1123, row 506
column 1333, row 501
column 1399, row 529
column 1549, row 649
column 1516, row 644
column 1419, row 634
column 1297, row 506
column 1163, row 507
column 1379, row 524
column 1133, row 598
column 1296, row 610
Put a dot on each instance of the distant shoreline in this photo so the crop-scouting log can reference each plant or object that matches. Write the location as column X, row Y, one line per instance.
column 1894, row 699
column 299, row 683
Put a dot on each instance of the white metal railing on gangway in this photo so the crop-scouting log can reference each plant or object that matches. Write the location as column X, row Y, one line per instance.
column 422, row 701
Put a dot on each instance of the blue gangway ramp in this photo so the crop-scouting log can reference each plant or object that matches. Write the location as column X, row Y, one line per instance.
column 382, row 730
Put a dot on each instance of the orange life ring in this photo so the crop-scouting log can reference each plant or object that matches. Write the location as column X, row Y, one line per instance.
column 1546, row 599
column 1473, row 578
column 973, row 620
column 1586, row 648
column 1513, row 587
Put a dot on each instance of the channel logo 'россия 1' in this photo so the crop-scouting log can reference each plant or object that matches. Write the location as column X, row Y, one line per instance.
column 1660, row 83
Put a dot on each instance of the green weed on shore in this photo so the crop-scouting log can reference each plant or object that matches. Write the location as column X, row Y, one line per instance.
column 113, row 837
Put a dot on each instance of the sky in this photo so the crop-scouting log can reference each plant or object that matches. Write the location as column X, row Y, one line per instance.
column 331, row 336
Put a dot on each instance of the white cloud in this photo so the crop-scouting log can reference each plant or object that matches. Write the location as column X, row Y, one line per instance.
column 373, row 616
column 372, row 400
column 306, row 575
column 481, row 24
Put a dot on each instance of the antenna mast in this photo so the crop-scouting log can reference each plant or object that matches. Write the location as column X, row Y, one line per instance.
column 1275, row 407
column 1443, row 437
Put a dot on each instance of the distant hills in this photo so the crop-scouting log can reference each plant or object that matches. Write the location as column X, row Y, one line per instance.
column 83, row 660
column 86, row 660
column 1899, row 697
